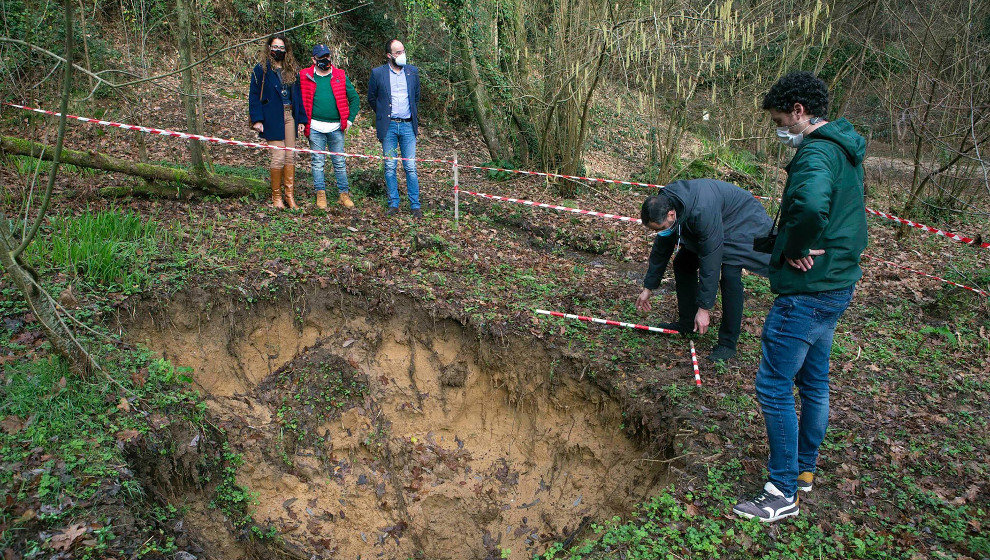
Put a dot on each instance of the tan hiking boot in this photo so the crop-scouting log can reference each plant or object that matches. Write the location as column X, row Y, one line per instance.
column 321, row 200
column 289, row 180
column 277, row 188
column 345, row 199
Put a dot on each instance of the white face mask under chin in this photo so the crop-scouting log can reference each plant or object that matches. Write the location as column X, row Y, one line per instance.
column 794, row 139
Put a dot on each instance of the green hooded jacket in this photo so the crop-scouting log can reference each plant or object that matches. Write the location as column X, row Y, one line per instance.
column 822, row 208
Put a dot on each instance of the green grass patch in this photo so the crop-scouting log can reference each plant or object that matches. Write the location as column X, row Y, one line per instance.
column 27, row 165
column 696, row 525
column 67, row 418
column 110, row 248
column 63, row 448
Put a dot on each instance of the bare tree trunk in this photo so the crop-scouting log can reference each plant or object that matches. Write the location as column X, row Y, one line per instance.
column 43, row 308
column 916, row 180
column 85, row 38
column 589, row 97
column 480, row 103
column 208, row 183
column 184, row 13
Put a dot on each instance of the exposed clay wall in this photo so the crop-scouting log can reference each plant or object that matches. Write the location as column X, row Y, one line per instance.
column 458, row 448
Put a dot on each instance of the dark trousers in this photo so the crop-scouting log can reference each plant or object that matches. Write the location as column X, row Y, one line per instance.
column 686, row 282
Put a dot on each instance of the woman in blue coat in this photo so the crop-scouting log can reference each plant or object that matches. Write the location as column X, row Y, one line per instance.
column 276, row 110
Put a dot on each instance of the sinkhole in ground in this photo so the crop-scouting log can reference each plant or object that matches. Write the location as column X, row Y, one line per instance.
column 394, row 434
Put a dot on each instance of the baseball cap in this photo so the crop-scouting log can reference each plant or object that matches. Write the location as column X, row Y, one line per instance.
column 320, row 50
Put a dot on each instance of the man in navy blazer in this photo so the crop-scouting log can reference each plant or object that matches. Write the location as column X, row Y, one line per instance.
column 393, row 93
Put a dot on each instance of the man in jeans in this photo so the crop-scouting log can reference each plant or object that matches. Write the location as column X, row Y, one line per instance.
column 813, row 270
column 393, row 93
column 332, row 104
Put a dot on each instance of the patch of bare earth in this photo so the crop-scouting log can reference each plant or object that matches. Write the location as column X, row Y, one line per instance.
column 396, row 434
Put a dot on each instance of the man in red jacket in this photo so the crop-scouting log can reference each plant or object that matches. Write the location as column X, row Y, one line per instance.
column 331, row 103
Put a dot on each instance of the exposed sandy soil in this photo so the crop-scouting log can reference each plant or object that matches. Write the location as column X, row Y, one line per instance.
column 452, row 447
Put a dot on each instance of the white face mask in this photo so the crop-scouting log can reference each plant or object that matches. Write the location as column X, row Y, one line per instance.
column 400, row 60
column 793, row 139
column 789, row 138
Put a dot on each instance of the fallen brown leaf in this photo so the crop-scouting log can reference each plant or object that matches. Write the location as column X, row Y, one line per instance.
column 64, row 540
column 139, row 377
column 12, row 424
column 127, row 435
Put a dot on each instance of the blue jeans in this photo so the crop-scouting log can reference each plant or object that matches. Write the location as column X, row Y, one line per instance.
column 333, row 142
column 400, row 137
column 797, row 341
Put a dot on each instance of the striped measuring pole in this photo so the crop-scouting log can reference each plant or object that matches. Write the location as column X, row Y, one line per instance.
column 606, row 322
column 694, row 364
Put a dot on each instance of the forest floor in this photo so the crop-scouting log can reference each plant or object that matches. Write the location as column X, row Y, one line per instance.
column 236, row 442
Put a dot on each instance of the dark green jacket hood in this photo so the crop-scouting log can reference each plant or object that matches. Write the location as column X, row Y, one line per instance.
column 842, row 133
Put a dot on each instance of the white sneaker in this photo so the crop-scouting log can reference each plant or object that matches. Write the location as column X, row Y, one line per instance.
column 770, row 505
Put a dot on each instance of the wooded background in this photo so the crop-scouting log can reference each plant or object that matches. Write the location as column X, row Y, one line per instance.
column 532, row 75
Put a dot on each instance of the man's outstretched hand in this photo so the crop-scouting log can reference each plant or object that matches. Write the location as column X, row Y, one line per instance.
column 701, row 320
column 643, row 301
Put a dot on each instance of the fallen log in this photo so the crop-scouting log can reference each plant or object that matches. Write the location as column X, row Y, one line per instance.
column 197, row 184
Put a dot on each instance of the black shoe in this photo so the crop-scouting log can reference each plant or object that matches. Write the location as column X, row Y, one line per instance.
column 417, row 214
column 392, row 211
column 675, row 327
column 721, row 354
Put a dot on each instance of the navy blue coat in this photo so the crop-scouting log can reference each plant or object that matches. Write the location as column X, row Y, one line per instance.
column 718, row 222
column 265, row 103
column 380, row 97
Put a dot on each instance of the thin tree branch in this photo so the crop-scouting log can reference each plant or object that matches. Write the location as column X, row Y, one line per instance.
column 55, row 56
column 100, row 80
column 231, row 47
column 64, row 109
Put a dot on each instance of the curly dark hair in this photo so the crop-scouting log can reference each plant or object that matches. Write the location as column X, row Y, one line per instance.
column 798, row 87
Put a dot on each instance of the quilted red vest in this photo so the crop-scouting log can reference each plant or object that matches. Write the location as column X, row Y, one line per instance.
column 338, row 83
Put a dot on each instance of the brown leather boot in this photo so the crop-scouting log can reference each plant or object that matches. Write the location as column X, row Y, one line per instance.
column 321, row 200
column 345, row 199
column 277, row 188
column 289, row 180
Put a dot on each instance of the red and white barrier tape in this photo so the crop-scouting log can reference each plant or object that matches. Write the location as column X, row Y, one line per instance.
column 694, row 364
column 552, row 206
column 977, row 290
column 185, row 135
column 953, row 236
column 189, row 136
column 628, row 219
column 606, row 322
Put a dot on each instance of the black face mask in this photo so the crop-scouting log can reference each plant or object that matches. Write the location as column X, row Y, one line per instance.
column 277, row 56
column 323, row 63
